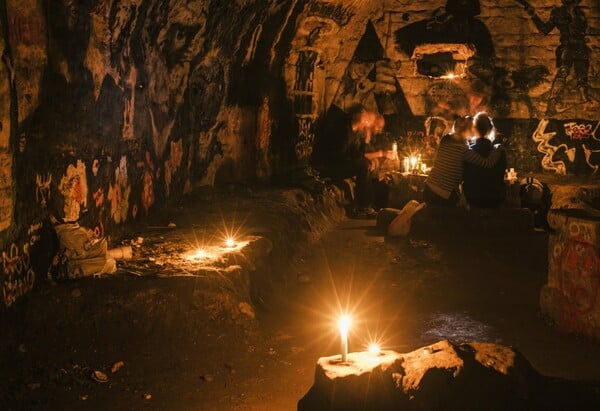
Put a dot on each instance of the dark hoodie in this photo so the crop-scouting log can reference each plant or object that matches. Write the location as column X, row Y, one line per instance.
column 484, row 187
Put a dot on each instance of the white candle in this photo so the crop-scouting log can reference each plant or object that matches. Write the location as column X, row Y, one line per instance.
column 406, row 164
column 344, row 324
column 413, row 163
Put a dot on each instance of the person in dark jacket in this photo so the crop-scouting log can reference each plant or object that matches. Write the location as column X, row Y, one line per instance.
column 484, row 187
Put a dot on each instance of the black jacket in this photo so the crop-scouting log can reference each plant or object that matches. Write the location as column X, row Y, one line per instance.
column 484, row 187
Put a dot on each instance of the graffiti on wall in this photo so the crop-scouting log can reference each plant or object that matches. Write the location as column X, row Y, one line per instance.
column 6, row 191
column 569, row 146
column 337, row 12
column 575, row 268
column 27, row 34
column 43, row 192
column 572, row 55
column 73, row 186
column 119, row 192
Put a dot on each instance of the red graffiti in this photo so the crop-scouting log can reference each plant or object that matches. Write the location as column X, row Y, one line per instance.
column 580, row 275
column 579, row 131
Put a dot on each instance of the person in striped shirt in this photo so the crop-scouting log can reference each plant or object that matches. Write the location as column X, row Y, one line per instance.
column 441, row 187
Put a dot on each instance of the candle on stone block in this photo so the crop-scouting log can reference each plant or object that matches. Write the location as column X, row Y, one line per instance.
column 344, row 324
column 413, row 163
column 406, row 165
column 230, row 242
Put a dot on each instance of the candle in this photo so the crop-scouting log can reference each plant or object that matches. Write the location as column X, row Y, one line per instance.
column 423, row 168
column 406, row 164
column 230, row 242
column 395, row 150
column 374, row 349
column 344, row 324
column 413, row 163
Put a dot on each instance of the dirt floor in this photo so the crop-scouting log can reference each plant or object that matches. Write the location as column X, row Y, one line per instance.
column 179, row 352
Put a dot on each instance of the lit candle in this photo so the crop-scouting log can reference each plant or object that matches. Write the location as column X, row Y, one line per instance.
column 344, row 324
column 200, row 254
column 406, row 164
column 395, row 150
column 374, row 349
column 230, row 242
column 413, row 163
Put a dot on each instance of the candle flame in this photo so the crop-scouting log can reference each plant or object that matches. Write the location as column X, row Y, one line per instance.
column 374, row 349
column 344, row 324
column 230, row 242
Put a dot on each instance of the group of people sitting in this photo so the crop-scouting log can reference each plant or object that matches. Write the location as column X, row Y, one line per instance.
column 479, row 166
column 356, row 154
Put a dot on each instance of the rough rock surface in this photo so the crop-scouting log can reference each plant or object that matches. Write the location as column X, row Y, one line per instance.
column 441, row 376
column 570, row 297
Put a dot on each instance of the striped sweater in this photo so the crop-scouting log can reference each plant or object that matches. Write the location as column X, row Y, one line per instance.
column 447, row 172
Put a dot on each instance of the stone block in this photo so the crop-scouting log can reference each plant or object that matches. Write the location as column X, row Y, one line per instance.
column 570, row 297
column 442, row 376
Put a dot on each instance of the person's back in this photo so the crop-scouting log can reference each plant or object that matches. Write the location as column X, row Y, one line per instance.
column 484, row 187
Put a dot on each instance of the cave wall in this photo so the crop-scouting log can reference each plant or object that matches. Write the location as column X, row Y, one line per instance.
column 110, row 109
column 382, row 55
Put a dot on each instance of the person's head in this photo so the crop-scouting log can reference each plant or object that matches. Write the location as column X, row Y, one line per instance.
column 461, row 129
column 571, row 2
column 483, row 126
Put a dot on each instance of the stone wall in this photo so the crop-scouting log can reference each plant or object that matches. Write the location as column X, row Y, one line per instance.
column 109, row 109
column 421, row 63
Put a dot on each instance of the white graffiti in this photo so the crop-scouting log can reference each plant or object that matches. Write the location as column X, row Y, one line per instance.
column 543, row 139
column 42, row 188
column 306, row 139
column 19, row 275
column 33, row 233
column 588, row 155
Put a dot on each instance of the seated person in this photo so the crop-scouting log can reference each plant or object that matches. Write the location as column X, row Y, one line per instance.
column 442, row 185
column 484, row 187
column 344, row 149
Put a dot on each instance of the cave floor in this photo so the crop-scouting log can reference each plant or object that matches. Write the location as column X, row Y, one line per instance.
column 403, row 294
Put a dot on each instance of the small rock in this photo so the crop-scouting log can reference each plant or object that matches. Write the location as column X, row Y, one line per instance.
column 99, row 376
column 207, row 377
column 83, row 397
column 22, row 348
column 76, row 293
column 147, row 396
column 172, row 225
column 34, row 385
column 117, row 366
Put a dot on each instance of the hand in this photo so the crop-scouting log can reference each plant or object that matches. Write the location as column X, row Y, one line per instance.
column 373, row 164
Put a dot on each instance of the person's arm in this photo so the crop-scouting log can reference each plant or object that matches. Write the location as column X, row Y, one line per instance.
column 490, row 161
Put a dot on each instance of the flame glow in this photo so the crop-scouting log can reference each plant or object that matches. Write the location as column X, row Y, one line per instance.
column 344, row 324
column 374, row 349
